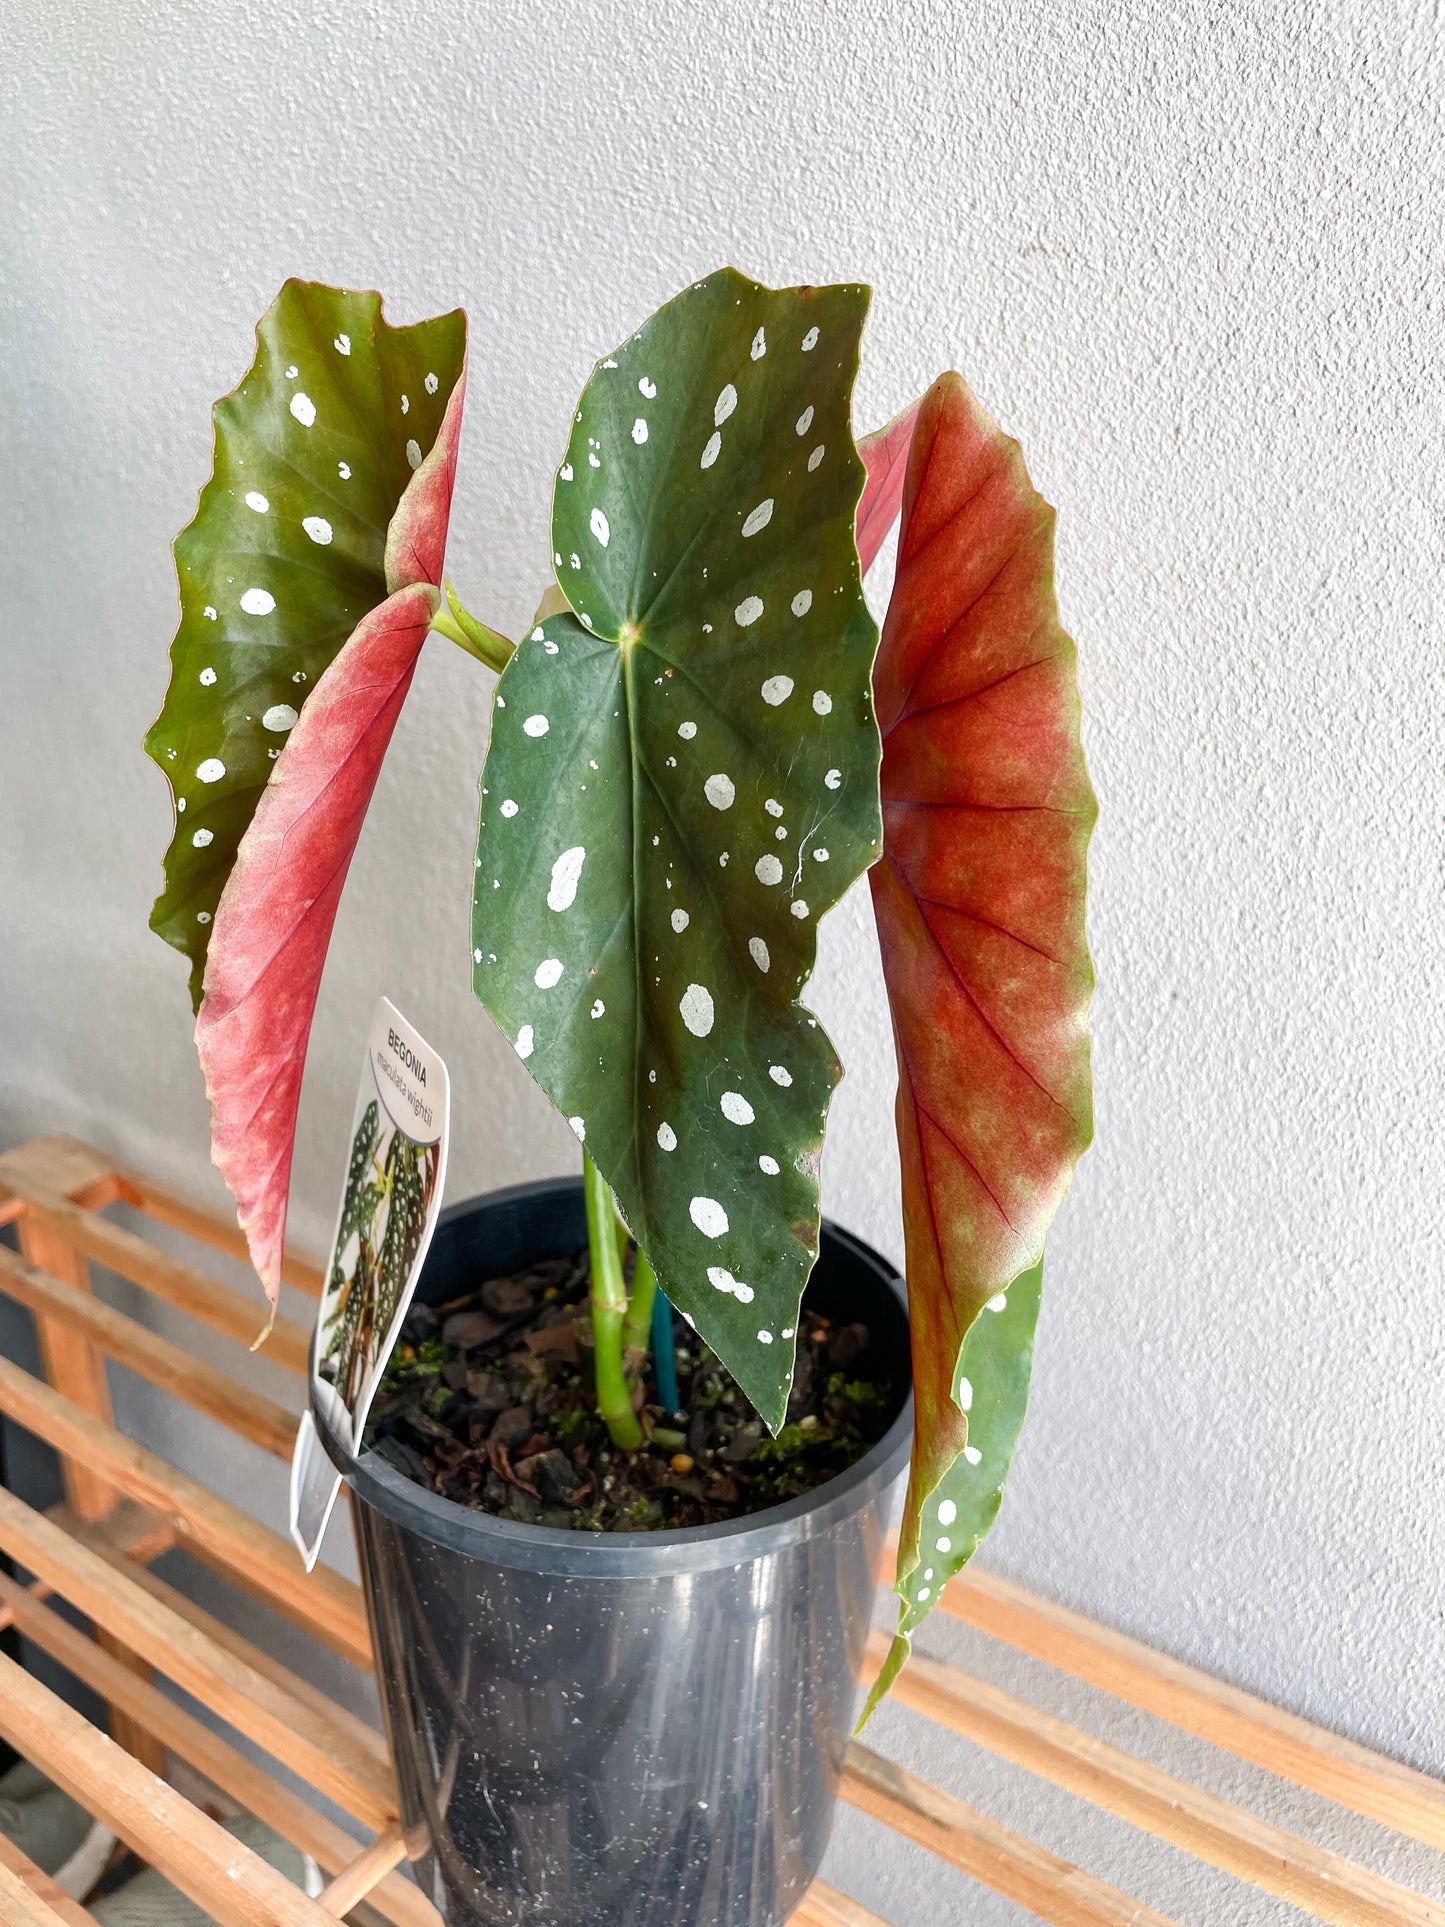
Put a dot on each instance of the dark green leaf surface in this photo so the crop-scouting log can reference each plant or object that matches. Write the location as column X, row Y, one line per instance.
column 285, row 555
column 682, row 778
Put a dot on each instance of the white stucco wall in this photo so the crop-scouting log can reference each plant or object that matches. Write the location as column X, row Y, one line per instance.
column 1190, row 254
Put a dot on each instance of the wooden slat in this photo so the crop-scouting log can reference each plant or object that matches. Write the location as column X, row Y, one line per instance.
column 358, row 1734
column 1380, row 1789
column 58, row 1305
column 22, row 1906
column 1057, row 1892
column 323, row 1603
column 190, row 1290
column 237, row 1887
column 206, row 1225
column 63, row 1164
column 252, row 1703
column 191, row 1740
column 356, row 1881
column 1325, row 1884
column 41, row 1885
column 825, row 1906
column 69, row 1359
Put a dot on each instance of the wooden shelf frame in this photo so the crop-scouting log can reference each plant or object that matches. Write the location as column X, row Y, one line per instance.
column 125, row 1506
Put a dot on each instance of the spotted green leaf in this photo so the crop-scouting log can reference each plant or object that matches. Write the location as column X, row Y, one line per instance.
column 287, row 552
column 682, row 778
column 991, row 1385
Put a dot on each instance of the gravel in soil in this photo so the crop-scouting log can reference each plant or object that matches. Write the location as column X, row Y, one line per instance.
column 487, row 1400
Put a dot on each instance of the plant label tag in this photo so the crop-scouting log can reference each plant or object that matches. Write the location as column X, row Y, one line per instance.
column 389, row 1207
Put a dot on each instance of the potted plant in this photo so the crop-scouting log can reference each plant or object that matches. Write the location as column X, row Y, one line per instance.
column 696, row 749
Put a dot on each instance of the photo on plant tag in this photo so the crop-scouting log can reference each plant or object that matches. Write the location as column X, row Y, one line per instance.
column 395, row 1171
column 389, row 1187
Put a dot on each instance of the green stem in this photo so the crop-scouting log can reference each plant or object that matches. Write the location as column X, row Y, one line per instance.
column 609, row 1311
column 458, row 625
column 637, row 1325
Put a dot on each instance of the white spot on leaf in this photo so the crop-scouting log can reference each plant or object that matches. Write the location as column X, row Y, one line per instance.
column 536, row 726
column 212, row 770
column 696, row 1009
column 206, row 678
column 805, row 420
column 726, row 402
column 768, row 1166
column 748, row 611
column 413, row 454
column 547, row 973
column 802, row 602
column 709, row 1217
column 760, row 517
column 509, row 808
column 202, row 839
column 947, row 1512
column 566, row 874
column 343, row 469
column 768, row 870
column 580, row 1128
column 972, row 1454
column 599, row 1008
column 258, row 602
column 999, row 1302
column 667, row 1137
column 765, row 1338
column 710, row 452
column 833, row 780
column 964, row 1396
column 815, row 458
column 758, row 951
column 303, row 408
column 798, row 908
column 810, row 340
column 597, row 522
column 777, row 689
column 780, row 1076
column 318, row 528
column 680, row 921
column 431, row 384
column 736, row 1108
column 639, row 431
column 279, row 717
column 342, row 344
column 719, row 791
column 647, row 389
column 687, row 731
column 257, row 501
column 822, row 702
column 760, row 346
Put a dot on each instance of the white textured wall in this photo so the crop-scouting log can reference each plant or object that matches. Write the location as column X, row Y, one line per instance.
column 1190, row 253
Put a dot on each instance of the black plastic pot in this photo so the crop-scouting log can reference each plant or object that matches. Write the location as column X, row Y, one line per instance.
column 643, row 1728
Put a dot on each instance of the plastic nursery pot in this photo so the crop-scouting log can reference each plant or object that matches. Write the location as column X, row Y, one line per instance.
column 644, row 1727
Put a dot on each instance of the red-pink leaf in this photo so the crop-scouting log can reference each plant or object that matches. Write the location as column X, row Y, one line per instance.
column 885, row 456
column 979, row 898
column 273, row 923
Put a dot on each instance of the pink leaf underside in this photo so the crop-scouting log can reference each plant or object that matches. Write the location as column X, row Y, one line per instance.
column 980, row 892
column 885, row 457
column 274, row 920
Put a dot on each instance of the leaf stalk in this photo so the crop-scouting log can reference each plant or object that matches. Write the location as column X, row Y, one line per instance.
column 609, row 1312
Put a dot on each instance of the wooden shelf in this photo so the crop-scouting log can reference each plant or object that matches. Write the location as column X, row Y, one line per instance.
column 125, row 1506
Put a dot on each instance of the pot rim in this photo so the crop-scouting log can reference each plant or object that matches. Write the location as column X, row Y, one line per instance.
column 608, row 1555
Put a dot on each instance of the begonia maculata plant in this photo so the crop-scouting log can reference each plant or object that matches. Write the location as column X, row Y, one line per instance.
column 698, row 747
